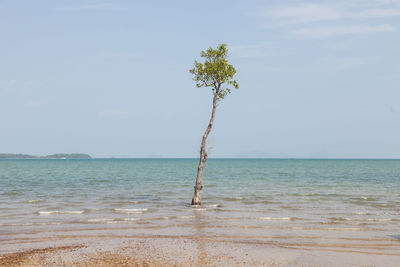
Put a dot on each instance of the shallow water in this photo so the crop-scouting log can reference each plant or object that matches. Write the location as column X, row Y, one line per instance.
column 346, row 204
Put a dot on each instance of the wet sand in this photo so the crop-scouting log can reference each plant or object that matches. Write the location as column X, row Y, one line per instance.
column 170, row 250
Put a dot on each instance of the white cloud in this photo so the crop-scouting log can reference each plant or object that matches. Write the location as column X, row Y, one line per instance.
column 307, row 13
column 381, row 12
column 378, row 2
column 330, row 31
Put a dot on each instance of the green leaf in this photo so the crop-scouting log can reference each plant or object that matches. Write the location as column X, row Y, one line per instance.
column 215, row 71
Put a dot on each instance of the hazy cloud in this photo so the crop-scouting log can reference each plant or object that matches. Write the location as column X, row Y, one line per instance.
column 307, row 13
column 378, row 12
column 330, row 31
column 332, row 18
column 377, row 2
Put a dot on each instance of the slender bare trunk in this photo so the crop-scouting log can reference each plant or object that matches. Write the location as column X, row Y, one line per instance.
column 196, row 200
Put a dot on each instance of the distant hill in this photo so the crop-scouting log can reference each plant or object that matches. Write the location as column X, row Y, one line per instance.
column 54, row 156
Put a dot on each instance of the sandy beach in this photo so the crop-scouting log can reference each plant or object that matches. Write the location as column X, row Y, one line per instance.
column 110, row 249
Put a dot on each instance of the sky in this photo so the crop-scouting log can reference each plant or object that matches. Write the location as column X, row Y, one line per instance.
column 318, row 79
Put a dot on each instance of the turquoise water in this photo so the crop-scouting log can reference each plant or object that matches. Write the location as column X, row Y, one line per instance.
column 249, row 197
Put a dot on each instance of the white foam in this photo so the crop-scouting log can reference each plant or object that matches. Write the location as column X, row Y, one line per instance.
column 29, row 224
column 60, row 212
column 130, row 219
column 99, row 220
column 276, row 218
column 205, row 207
column 72, row 212
column 185, row 217
column 341, row 219
column 366, row 198
column 33, row 201
column 48, row 212
column 199, row 209
column 111, row 220
column 130, row 211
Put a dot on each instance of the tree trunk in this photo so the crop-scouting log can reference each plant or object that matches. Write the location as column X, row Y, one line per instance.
column 196, row 200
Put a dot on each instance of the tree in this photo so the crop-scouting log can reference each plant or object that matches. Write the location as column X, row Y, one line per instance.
column 217, row 74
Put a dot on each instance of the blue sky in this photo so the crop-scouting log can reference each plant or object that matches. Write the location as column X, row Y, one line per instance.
column 110, row 78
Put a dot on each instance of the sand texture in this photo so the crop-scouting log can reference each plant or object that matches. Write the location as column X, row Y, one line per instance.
column 188, row 251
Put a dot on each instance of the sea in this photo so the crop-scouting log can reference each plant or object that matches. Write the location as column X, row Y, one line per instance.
column 347, row 204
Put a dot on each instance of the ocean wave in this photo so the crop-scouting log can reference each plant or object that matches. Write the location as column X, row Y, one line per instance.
column 99, row 220
column 277, row 218
column 206, row 207
column 107, row 220
column 29, row 224
column 340, row 219
column 60, row 212
column 185, row 217
column 358, row 221
column 345, row 229
column 32, row 201
column 217, row 205
column 124, row 220
column 199, row 209
column 131, row 211
column 364, row 198
column 130, row 219
column 233, row 198
column 213, row 206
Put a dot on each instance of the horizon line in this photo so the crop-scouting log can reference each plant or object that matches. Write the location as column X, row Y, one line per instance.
column 271, row 158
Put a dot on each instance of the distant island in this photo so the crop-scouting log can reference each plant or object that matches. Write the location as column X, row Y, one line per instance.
column 53, row 156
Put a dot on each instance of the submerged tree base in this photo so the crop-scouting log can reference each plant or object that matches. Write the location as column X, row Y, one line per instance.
column 196, row 200
column 194, row 203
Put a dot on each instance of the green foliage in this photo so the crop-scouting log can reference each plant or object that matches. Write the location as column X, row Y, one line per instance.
column 215, row 72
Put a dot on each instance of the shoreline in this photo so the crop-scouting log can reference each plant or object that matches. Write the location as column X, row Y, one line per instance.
column 191, row 250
